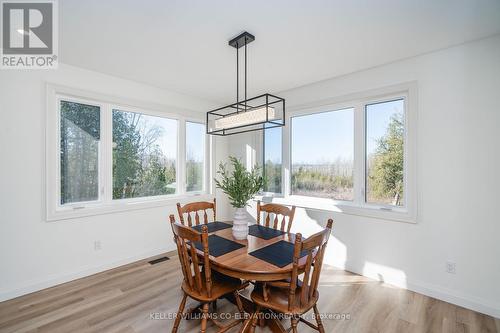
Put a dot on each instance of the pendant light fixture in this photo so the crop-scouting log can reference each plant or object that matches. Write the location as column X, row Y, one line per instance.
column 250, row 114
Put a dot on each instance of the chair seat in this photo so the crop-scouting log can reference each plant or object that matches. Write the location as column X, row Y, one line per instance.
column 278, row 300
column 221, row 285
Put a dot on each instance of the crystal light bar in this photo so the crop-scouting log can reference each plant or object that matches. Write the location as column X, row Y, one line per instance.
column 243, row 118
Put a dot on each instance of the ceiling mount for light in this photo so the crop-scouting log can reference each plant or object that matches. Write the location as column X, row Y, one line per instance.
column 250, row 114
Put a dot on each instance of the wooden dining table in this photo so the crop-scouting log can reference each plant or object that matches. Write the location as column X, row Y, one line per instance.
column 241, row 264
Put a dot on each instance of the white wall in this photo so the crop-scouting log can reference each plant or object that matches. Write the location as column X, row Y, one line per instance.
column 458, row 179
column 34, row 253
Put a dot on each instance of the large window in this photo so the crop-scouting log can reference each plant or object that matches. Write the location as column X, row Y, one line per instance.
column 144, row 155
column 385, row 132
column 195, row 156
column 322, row 154
column 103, row 156
column 272, row 159
column 80, row 130
column 357, row 156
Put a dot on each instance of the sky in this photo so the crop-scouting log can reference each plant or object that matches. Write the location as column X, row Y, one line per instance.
column 168, row 140
column 378, row 117
column 327, row 136
column 195, row 140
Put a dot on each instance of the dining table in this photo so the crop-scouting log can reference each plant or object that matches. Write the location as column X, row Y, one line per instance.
column 240, row 263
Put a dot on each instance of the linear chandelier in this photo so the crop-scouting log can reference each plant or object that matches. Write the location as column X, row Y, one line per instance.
column 251, row 114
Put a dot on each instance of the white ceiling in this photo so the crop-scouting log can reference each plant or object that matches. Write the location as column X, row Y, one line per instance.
column 182, row 45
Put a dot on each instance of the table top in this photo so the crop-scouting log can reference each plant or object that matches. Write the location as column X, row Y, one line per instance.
column 241, row 264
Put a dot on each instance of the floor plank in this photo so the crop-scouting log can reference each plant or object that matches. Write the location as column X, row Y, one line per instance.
column 139, row 297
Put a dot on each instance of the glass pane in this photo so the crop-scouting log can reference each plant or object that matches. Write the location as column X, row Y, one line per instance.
column 144, row 155
column 79, row 152
column 385, row 153
column 272, row 159
column 195, row 156
column 322, row 154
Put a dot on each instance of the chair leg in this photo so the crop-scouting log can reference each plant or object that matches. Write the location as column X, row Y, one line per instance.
column 204, row 319
column 245, row 324
column 239, row 304
column 179, row 313
column 254, row 319
column 295, row 321
column 321, row 329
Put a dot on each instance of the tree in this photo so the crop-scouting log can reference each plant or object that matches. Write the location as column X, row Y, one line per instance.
column 80, row 134
column 386, row 173
column 139, row 166
column 194, row 173
column 272, row 172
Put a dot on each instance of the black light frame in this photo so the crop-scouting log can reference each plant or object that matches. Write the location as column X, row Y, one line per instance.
column 242, row 40
column 242, row 107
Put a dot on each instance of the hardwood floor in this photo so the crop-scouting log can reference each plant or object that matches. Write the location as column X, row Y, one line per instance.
column 138, row 298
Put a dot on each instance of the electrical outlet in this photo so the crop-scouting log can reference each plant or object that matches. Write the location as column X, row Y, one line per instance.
column 451, row 267
column 97, row 245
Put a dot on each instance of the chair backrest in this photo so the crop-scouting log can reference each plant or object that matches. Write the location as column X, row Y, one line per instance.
column 195, row 207
column 277, row 211
column 315, row 247
column 195, row 275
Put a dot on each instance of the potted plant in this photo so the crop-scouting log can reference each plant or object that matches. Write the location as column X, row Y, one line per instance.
column 240, row 185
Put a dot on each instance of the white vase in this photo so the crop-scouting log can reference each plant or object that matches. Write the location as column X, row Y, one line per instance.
column 240, row 224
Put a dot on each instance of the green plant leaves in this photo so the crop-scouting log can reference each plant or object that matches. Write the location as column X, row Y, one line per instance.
column 239, row 184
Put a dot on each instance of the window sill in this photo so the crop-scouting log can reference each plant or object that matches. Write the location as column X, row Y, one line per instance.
column 72, row 212
column 329, row 205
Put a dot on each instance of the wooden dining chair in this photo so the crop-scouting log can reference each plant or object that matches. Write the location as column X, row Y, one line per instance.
column 300, row 293
column 196, row 207
column 277, row 211
column 199, row 282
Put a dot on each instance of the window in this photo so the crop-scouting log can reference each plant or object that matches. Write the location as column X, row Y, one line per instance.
column 105, row 155
column 80, row 130
column 356, row 157
column 272, row 159
column 144, row 155
column 195, row 156
column 385, row 132
column 323, row 155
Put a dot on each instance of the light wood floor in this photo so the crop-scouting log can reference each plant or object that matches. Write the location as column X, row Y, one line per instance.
column 123, row 299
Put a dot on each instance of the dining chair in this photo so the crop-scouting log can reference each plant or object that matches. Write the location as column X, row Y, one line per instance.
column 297, row 295
column 195, row 207
column 277, row 211
column 199, row 282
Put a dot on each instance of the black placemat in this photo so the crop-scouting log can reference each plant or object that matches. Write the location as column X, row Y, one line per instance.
column 279, row 254
column 264, row 232
column 218, row 246
column 213, row 226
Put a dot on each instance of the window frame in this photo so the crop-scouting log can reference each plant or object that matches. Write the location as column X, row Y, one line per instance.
column 177, row 162
column 106, row 204
column 359, row 207
column 205, row 164
column 386, row 99
column 100, row 155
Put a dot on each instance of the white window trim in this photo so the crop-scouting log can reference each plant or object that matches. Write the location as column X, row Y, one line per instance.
column 358, row 206
column 205, row 162
column 105, row 204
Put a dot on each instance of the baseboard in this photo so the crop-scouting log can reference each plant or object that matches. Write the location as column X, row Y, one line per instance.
column 434, row 291
column 33, row 286
column 454, row 297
